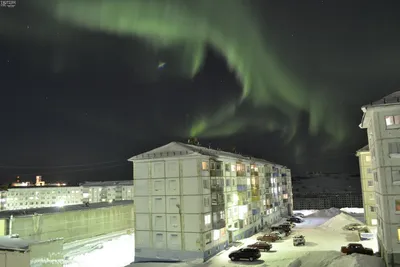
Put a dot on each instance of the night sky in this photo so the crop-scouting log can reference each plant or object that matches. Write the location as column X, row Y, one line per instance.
column 85, row 88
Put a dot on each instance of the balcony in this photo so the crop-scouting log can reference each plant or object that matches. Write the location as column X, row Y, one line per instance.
column 284, row 174
column 243, row 201
column 241, row 188
column 255, row 198
column 218, row 224
column 216, row 173
column 217, row 200
column 241, row 173
column 254, row 173
column 217, row 188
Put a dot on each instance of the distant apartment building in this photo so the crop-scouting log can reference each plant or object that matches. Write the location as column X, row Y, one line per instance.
column 382, row 121
column 23, row 197
column 19, row 198
column 107, row 191
column 191, row 201
column 367, row 185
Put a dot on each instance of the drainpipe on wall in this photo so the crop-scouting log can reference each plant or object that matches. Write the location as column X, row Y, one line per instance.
column 181, row 224
column 10, row 225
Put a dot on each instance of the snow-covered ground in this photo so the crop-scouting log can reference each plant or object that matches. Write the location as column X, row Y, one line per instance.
column 324, row 237
column 115, row 252
column 353, row 210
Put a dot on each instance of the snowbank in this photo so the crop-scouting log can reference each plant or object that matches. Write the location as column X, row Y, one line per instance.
column 305, row 212
column 336, row 259
column 338, row 222
column 353, row 210
column 329, row 213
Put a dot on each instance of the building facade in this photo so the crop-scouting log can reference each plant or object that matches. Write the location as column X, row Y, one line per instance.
column 107, row 191
column 32, row 197
column 381, row 119
column 367, row 186
column 191, row 201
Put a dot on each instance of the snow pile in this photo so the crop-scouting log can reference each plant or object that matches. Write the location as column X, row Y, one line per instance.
column 305, row 212
column 338, row 222
column 329, row 213
column 353, row 210
column 336, row 259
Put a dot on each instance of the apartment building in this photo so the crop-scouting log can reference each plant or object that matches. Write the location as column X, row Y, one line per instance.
column 382, row 121
column 107, row 191
column 30, row 197
column 191, row 201
column 19, row 198
column 367, row 185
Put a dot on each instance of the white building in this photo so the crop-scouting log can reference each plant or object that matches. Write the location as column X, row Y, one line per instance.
column 107, row 191
column 382, row 121
column 192, row 201
column 19, row 198
column 30, row 197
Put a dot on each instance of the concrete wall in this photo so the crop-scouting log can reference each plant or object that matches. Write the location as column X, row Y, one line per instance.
column 47, row 254
column 14, row 259
column 75, row 225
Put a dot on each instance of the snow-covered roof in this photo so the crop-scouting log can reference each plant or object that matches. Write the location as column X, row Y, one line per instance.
column 389, row 100
column 18, row 244
column 176, row 149
column 31, row 212
column 107, row 183
column 363, row 149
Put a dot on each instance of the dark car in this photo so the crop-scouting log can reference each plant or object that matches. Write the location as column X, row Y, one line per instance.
column 295, row 219
column 261, row 245
column 250, row 254
column 267, row 238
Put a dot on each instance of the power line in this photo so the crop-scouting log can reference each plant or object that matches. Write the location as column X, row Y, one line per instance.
column 59, row 166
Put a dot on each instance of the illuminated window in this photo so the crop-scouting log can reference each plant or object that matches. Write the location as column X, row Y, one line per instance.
column 204, row 166
column 207, row 219
column 398, row 234
column 216, row 235
column 397, row 205
column 392, row 121
column 368, row 158
column 374, row 221
column 233, row 167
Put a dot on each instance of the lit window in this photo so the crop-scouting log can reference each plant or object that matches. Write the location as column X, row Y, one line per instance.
column 368, row 158
column 204, row 166
column 217, row 235
column 233, row 167
column 374, row 221
column 392, row 121
column 397, row 205
column 398, row 234
column 207, row 219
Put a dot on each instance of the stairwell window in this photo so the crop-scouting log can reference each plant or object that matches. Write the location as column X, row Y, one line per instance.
column 394, row 149
column 397, row 204
column 204, row 166
column 396, row 175
column 392, row 122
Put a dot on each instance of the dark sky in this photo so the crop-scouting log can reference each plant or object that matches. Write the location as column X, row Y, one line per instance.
column 75, row 104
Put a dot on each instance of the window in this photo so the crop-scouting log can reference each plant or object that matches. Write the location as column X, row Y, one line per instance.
column 212, row 166
column 398, row 234
column 207, row 219
column 374, row 221
column 233, row 167
column 159, row 237
column 248, row 169
column 397, row 205
column 395, row 175
column 174, row 220
column 394, row 148
column 376, row 176
column 369, row 170
column 227, row 167
column 372, row 208
column 371, row 196
column 228, row 182
column 392, row 121
column 368, row 158
column 370, row 183
column 208, row 238
column 206, row 202
column 204, row 166
column 206, row 184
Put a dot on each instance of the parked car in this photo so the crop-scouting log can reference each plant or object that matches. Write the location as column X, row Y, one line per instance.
column 295, row 219
column 353, row 226
column 280, row 234
column 290, row 224
column 250, row 254
column 286, row 228
column 267, row 238
column 365, row 234
column 356, row 248
column 299, row 240
column 261, row 245
column 298, row 214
